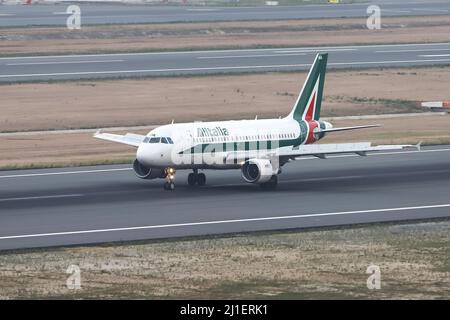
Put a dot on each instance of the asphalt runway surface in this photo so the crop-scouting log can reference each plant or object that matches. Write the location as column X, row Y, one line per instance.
column 70, row 206
column 119, row 14
column 217, row 61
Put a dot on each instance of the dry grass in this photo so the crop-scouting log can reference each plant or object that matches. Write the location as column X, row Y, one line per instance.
column 188, row 36
column 414, row 262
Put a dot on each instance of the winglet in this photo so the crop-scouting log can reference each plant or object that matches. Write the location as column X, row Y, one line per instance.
column 418, row 146
column 99, row 131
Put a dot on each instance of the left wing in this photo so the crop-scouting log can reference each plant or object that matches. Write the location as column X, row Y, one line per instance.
column 130, row 139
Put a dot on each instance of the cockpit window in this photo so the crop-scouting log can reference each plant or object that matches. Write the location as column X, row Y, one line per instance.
column 165, row 140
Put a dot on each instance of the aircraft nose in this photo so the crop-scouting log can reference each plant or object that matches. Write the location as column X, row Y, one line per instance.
column 145, row 154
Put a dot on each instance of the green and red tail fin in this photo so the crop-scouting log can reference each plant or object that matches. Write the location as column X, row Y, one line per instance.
column 307, row 106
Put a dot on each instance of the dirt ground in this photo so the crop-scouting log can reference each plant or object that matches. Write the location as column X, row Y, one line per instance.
column 152, row 102
column 414, row 262
column 93, row 104
column 214, row 35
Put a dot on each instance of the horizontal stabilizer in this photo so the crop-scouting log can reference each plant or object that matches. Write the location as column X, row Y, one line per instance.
column 349, row 128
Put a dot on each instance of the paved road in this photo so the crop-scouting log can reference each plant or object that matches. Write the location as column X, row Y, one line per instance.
column 117, row 13
column 218, row 61
column 101, row 204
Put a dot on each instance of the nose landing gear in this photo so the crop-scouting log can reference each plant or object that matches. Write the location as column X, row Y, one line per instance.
column 196, row 178
column 170, row 177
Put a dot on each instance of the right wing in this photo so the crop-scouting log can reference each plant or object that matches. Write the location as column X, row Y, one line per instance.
column 317, row 150
column 130, row 139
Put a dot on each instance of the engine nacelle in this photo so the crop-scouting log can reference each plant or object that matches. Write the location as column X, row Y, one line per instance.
column 144, row 172
column 257, row 170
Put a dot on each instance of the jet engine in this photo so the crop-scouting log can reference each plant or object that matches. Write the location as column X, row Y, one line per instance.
column 257, row 170
column 144, row 172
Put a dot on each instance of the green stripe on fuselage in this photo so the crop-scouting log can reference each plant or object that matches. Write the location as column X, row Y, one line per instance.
column 250, row 145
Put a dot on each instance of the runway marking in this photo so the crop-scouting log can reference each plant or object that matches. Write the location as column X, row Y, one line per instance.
column 429, row 9
column 361, row 63
column 42, row 197
column 202, row 223
column 232, row 50
column 128, row 169
column 395, row 11
column 313, row 51
column 63, row 173
column 434, row 55
column 203, row 10
column 411, row 50
column 61, row 62
column 254, row 56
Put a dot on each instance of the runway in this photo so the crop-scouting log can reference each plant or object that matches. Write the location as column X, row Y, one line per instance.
column 217, row 61
column 120, row 14
column 40, row 208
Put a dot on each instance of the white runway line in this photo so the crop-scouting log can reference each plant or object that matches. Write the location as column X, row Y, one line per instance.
column 254, row 56
column 412, row 50
column 315, row 50
column 434, row 55
column 128, row 169
column 80, row 73
column 60, row 62
column 394, row 11
column 203, row 10
column 42, row 197
column 429, row 10
column 63, row 173
column 217, row 222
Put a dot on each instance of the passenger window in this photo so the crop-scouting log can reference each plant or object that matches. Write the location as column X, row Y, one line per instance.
column 164, row 140
column 154, row 140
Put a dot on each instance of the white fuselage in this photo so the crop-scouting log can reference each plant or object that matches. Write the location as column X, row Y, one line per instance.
column 207, row 144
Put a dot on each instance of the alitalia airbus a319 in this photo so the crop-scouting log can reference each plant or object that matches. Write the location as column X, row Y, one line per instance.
column 259, row 147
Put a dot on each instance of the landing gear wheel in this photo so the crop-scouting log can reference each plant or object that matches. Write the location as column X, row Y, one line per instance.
column 169, row 186
column 192, row 179
column 201, row 179
column 271, row 184
column 170, row 177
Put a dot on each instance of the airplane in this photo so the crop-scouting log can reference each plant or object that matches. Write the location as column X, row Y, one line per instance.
column 259, row 147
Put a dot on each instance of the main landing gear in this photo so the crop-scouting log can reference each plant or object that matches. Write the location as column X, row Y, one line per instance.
column 196, row 178
column 271, row 184
column 170, row 177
